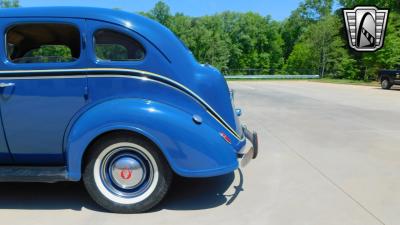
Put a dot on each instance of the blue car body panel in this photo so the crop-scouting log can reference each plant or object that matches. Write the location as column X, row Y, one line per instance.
column 5, row 157
column 58, row 109
column 38, row 110
column 191, row 150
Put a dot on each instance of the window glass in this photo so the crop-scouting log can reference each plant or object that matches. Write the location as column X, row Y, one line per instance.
column 43, row 43
column 114, row 46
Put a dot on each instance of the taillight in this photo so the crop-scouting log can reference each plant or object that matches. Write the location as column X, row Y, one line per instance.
column 225, row 137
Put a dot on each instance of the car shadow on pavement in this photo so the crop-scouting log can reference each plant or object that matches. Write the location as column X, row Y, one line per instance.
column 201, row 193
column 185, row 194
column 43, row 196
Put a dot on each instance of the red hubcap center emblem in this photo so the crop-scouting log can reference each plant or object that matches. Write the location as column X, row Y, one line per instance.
column 126, row 174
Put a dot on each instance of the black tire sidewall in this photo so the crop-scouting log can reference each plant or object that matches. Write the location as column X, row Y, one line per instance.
column 163, row 183
column 387, row 85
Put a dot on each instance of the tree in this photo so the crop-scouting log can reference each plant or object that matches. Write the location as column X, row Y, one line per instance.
column 301, row 60
column 308, row 12
column 255, row 42
column 392, row 4
column 9, row 3
column 210, row 43
column 161, row 12
column 317, row 9
column 321, row 50
column 291, row 30
column 232, row 40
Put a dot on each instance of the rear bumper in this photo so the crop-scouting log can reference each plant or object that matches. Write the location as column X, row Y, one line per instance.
column 250, row 150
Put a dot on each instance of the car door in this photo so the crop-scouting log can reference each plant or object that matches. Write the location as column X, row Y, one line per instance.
column 42, row 87
column 5, row 157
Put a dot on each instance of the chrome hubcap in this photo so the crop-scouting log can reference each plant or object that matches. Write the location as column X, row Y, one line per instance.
column 385, row 84
column 126, row 172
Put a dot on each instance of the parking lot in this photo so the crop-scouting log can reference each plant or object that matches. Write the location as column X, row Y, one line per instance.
column 329, row 154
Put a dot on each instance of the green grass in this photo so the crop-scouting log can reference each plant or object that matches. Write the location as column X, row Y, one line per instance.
column 346, row 81
column 323, row 80
column 270, row 79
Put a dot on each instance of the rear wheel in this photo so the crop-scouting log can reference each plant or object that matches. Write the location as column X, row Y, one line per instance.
column 385, row 84
column 126, row 174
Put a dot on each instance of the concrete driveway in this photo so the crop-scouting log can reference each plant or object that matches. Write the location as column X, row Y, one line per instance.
column 329, row 154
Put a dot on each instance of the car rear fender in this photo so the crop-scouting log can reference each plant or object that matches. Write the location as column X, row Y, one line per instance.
column 192, row 150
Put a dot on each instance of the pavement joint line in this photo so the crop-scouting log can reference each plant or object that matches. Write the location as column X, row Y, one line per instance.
column 326, row 177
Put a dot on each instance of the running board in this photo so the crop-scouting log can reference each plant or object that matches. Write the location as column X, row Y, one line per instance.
column 33, row 174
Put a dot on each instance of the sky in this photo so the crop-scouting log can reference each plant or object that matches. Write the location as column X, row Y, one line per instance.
column 278, row 9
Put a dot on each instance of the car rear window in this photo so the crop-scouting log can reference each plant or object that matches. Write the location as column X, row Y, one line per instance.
column 115, row 46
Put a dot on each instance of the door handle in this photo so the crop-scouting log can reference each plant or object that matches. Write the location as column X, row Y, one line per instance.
column 3, row 85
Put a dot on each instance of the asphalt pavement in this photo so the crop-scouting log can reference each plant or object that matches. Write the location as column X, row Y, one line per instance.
column 329, row 154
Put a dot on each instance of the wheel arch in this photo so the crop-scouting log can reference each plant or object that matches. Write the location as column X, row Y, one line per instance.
column 121, row 132
column 83, row 131
column 383, row 77
column 76, row 160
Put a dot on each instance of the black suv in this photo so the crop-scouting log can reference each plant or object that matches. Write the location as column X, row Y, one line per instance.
column 388, row 78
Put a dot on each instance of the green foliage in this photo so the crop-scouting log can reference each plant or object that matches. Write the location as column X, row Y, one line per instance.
column 311, row 41
column 228, row 40
column 299, row 60
column 322, row 50
column 256, row 42
column 113, row 52
column 389, row 56
column 316, row 9
column 50, row 53
column 161, row 13
column 322, row 46
column 292, row 28
column 9, row 3
column 392, row 4
column 51, row 50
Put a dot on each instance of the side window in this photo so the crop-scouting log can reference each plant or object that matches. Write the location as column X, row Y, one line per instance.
column 114, row 46
column 43, row 43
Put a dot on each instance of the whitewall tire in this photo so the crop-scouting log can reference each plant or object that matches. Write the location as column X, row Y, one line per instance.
column 126, row 174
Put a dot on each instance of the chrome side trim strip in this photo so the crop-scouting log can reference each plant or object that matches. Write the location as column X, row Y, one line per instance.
column 134, row 74
column 42, row 77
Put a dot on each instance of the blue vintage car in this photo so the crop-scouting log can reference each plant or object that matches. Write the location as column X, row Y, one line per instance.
column 114, row 99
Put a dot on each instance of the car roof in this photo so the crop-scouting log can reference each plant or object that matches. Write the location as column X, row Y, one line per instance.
column 151, row 30
column 110, row 15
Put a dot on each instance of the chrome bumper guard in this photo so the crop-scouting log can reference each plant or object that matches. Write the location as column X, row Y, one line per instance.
column 250, row 150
